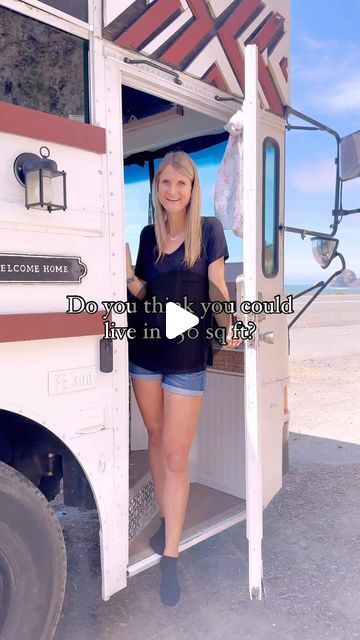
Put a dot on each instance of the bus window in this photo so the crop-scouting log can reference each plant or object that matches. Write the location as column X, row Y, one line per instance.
column 42, row 67
column 137, row 203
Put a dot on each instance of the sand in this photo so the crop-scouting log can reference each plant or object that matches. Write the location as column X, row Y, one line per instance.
column 324, row 394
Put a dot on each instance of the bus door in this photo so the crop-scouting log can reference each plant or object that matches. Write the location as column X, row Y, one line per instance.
column 266, row 354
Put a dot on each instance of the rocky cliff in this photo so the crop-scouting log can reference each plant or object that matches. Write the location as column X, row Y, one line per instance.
column 346, row 279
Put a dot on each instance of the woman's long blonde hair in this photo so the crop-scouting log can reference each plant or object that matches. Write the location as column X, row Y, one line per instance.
column 193, row 236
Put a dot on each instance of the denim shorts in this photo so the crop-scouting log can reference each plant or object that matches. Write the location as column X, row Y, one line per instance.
column 186, row 384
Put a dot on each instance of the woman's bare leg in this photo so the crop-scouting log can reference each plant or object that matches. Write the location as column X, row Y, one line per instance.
column 150, row 398
column 181, row 415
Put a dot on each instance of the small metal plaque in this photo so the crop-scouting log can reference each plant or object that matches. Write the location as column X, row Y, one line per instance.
column 70, row 380
column 31, row 268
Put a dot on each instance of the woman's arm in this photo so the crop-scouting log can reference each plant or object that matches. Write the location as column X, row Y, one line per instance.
column 218, row 291
column 136, row 286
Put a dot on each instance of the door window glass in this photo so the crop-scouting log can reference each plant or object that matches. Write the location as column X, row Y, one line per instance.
column 270, row 207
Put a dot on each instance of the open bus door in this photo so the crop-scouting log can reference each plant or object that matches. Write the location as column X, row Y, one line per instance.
column 227, row 484
column 266, row 354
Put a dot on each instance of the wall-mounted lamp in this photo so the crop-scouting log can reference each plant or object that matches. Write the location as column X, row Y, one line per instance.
column 324, row 250
column 45, row 186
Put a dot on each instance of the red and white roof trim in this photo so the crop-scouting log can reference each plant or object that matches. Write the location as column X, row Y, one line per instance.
column 206, row 38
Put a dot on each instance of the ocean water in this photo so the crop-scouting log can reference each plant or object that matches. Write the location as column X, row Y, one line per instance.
column 297, row 288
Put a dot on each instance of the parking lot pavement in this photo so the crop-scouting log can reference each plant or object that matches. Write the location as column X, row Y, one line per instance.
column 311, row 567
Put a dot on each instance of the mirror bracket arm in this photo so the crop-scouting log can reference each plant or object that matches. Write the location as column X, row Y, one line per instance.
column 321, row 286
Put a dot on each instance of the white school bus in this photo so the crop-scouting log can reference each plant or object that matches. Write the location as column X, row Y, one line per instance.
column 89, row 89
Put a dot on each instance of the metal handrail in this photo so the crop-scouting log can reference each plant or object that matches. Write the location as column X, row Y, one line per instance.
column 229, row 99
column 155, row 66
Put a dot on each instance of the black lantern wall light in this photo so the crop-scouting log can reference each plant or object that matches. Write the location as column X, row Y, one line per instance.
column 45, row 186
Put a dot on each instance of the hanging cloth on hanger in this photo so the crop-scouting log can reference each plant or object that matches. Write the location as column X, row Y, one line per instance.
column 229, row 188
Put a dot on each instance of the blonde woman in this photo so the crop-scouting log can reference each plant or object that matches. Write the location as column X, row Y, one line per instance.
column 180, row 259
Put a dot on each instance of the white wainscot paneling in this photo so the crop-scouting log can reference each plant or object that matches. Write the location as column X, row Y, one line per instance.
column 217, row 457
column 218, row 453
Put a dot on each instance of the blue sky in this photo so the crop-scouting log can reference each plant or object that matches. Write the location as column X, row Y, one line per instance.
column 325, row 84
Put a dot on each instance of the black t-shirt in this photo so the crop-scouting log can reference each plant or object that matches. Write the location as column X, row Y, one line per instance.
column 170, row 281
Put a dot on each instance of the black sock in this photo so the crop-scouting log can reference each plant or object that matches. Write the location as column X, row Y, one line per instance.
column 157, row 541
column 169, row 586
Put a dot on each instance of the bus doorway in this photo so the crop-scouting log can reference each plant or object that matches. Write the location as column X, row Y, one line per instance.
column 151, row 127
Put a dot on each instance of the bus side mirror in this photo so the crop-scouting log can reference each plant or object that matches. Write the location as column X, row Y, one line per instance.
column 350, row 157
column 324, row 250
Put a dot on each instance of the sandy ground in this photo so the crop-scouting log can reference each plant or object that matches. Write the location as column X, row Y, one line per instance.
column 311, row 538
column 325, row 369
